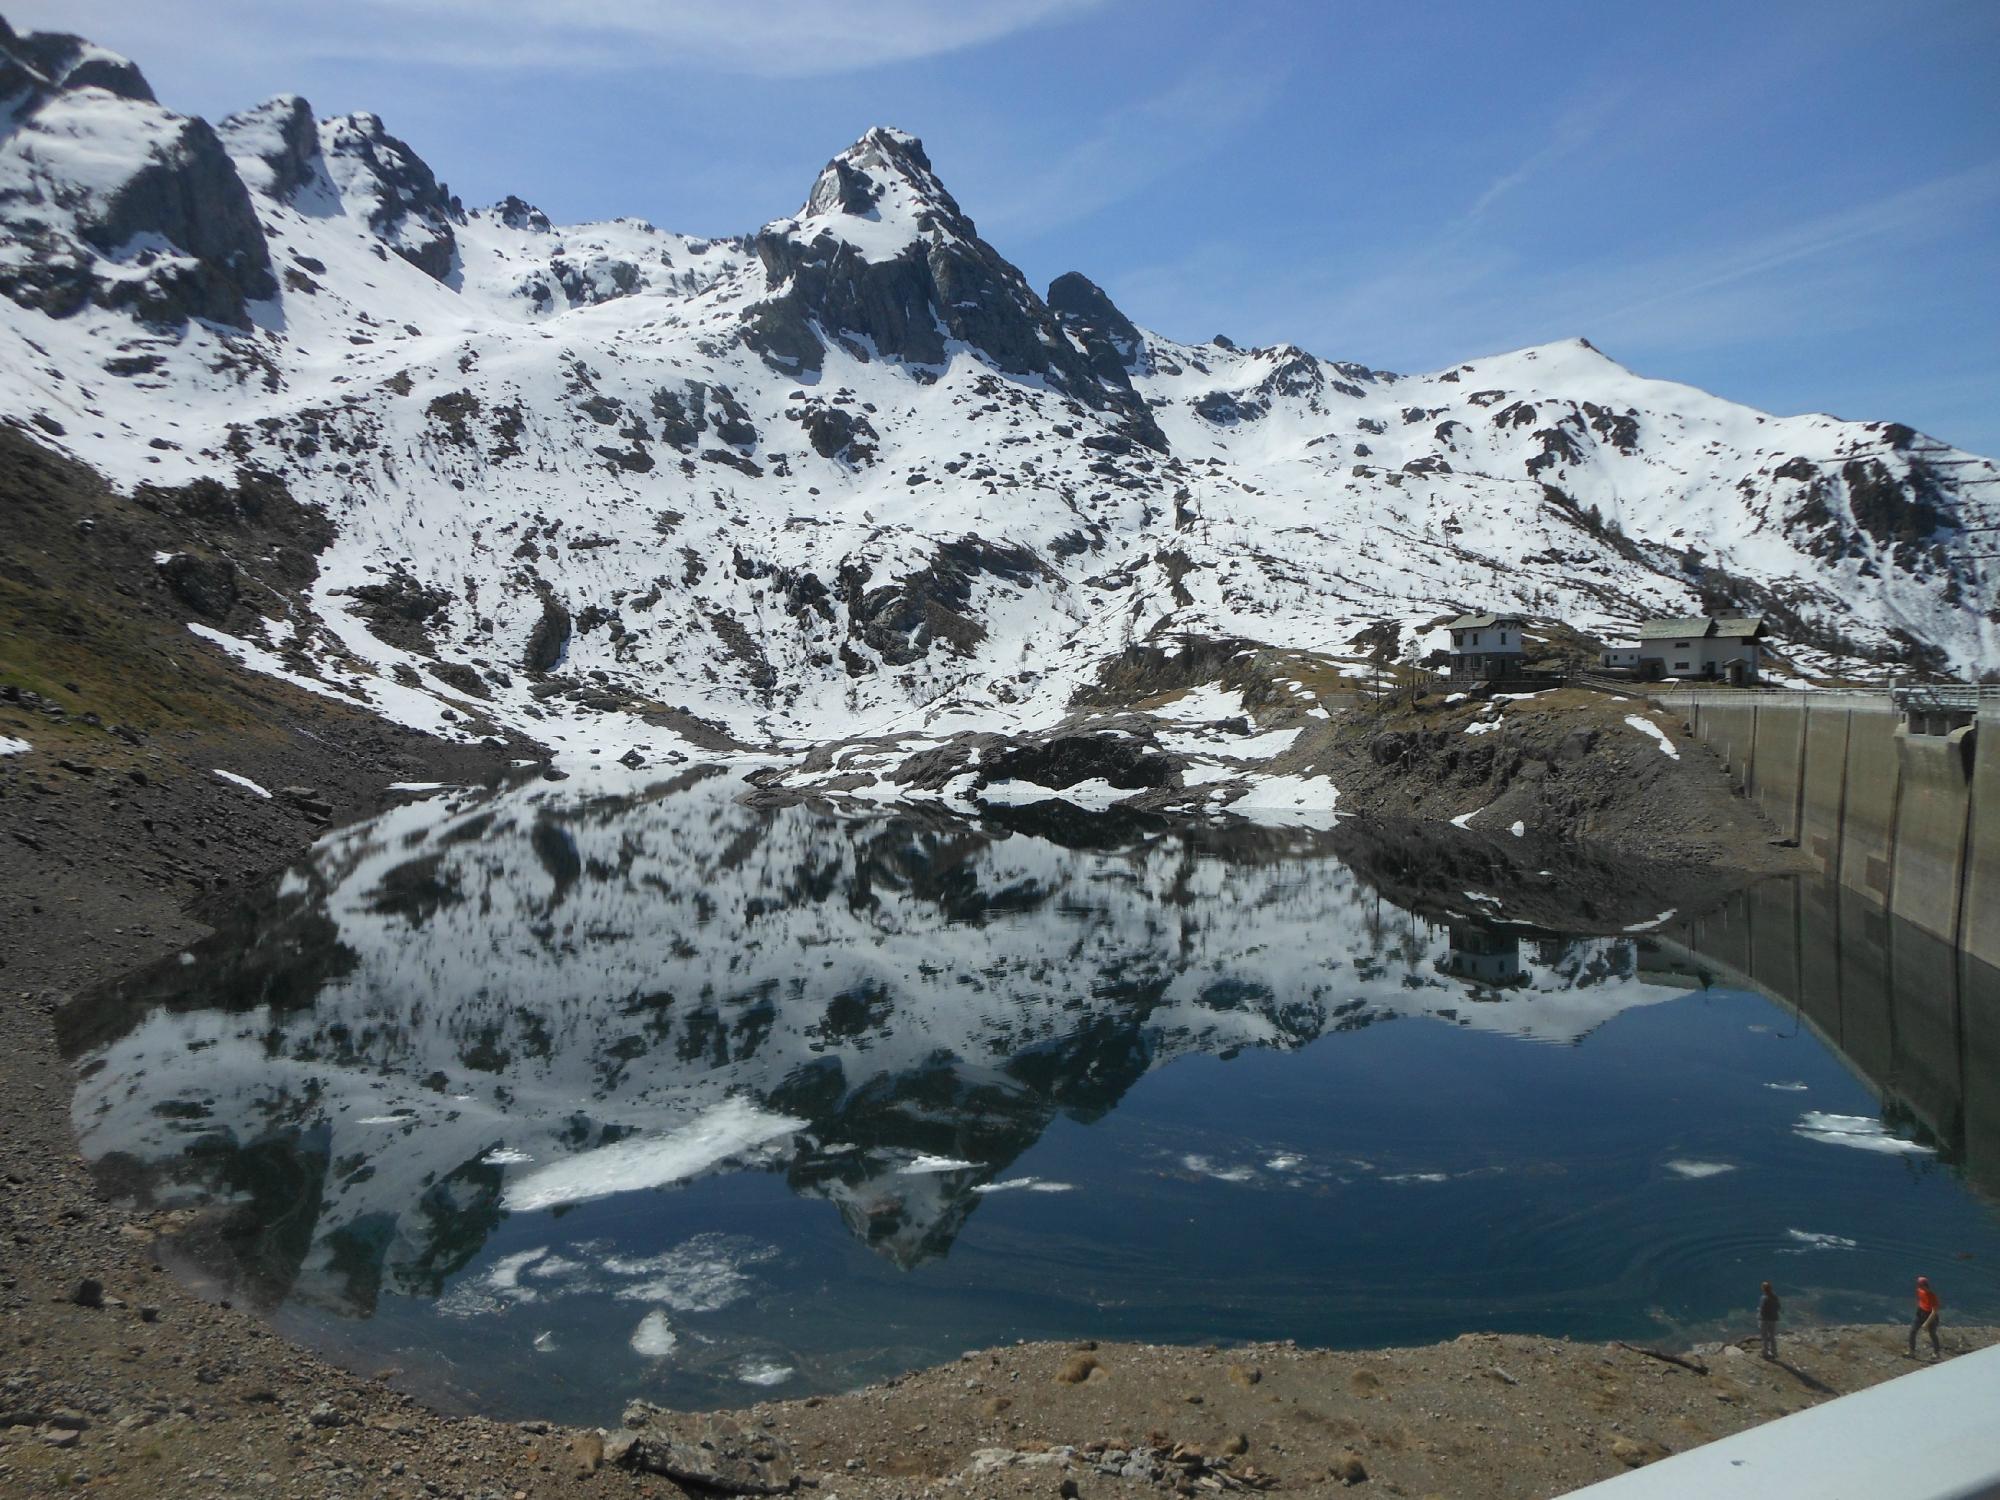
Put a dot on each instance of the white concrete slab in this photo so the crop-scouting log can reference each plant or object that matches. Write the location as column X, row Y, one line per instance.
column 1931, row 1435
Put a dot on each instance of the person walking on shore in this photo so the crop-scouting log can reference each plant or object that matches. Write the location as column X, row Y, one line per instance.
column 1926, row 1319
column 1767, row 1321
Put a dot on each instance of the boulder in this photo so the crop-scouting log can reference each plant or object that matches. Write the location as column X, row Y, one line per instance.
column 707, row 1451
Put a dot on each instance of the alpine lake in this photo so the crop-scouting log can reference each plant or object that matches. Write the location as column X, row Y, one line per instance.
column 557, row 1095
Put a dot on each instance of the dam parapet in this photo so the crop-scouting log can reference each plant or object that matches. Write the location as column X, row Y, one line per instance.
column 1894, row 792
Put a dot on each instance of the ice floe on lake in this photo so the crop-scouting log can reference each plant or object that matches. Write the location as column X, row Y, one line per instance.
column 654, row 1338
column 1805, row 1241
column 1857, row 1131
column 1202, row 1166
column 1027, row 1184
column 1695, row 1170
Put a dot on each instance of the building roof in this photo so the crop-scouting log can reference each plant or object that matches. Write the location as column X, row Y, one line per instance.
column 1483, row 622
column 1749, row 629
column 1654, row 630
column 1701, row 625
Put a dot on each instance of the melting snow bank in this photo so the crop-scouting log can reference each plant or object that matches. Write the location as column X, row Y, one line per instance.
column 11, row 746
column 729, row 1129
column 1854, row 1130
column 1648, row 727
column 243, row 781
column 1308, row 800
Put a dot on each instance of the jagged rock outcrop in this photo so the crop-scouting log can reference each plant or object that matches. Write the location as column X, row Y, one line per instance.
column 411, row 211
column 171, row 237
column 882, row 260
column 277, row 143
column 1116, row 348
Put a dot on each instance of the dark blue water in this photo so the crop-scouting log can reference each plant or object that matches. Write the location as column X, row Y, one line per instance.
column 557, row 1099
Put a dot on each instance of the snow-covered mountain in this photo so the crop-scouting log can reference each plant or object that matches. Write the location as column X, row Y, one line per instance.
column 499, row 1005
column 606, row 483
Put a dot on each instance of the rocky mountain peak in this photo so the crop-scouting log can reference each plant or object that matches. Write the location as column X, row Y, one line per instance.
column 273, row 145
column 885, row 177
column 407, row 207
column 107, row 198
column 1111, row 339
column 883, row 263
column 57, row 60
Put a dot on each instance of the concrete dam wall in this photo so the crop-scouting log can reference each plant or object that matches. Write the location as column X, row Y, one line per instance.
column 1916, row 1018
column 1911, row 819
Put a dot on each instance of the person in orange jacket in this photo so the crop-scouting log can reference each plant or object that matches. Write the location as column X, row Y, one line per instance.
column 1926, row 1319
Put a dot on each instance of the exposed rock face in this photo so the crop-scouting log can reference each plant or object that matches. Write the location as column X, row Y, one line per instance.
column 181, row 217
column 548, row 642
column 882, row 260
column 1116, row 348
column 276, row 142
column 411, row 210
column 62, row 61
column 1065, row 760
column 904, row 619
column 518, row 213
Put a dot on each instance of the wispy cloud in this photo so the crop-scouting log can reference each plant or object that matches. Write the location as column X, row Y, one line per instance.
column 1575, row 129
column 1926, row 211
column 1131, row 148
column 1456, row 296
column 763, row 38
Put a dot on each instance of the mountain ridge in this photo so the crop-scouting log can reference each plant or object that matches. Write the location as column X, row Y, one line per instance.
column 606, row 484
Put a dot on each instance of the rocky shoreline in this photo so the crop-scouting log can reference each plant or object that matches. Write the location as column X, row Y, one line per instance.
column 124, row 1380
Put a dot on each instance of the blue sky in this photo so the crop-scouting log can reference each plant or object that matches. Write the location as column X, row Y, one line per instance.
column 1793, row 205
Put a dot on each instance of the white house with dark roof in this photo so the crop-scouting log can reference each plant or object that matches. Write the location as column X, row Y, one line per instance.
column 1709, row 647
column 1487, row 645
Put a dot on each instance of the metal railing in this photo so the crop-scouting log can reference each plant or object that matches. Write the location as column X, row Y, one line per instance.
column 1943, row 697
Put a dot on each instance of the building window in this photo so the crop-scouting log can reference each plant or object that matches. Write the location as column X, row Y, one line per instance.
column 1680, row 666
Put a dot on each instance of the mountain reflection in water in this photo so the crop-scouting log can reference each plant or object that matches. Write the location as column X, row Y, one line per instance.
column 429, row 1077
